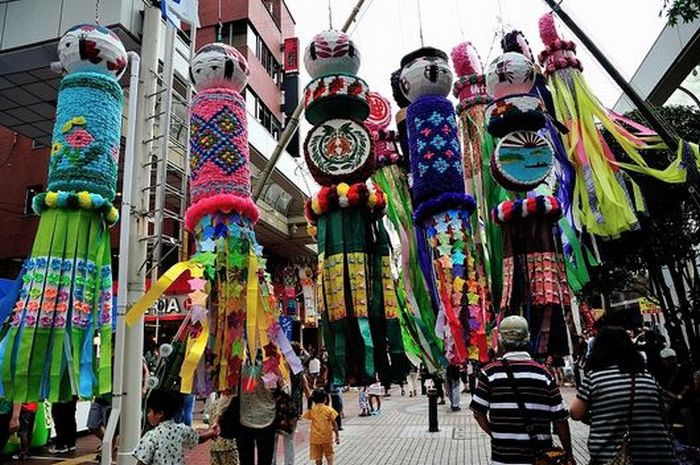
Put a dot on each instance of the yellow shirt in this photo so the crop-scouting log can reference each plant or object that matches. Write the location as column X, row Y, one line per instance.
column 322, row 418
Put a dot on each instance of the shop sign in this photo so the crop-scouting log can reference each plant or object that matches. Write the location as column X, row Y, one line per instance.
column 291, row 55
column 170, row 306
column 647, row 307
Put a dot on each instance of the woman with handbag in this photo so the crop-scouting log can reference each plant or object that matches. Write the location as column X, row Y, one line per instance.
column 622, row 403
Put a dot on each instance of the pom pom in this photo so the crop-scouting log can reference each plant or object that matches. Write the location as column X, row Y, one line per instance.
column 465, row 60
column 343, row 189
column 52, row 199
column 112, row 216
column 84, row 200
column 548, row 30
column 343, row 202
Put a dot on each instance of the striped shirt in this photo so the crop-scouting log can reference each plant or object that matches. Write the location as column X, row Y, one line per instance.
column 494, row 396
column 608, row 394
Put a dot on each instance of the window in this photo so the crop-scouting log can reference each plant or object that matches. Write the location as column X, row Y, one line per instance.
column 234, row 33
column 29, row 196
column 257, row 108
column 266, row 58
column 36, row 145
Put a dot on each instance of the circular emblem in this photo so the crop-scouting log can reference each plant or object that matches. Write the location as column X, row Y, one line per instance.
column 522, row 160
column 339, row 150
column 379, row 112
column 521, row 112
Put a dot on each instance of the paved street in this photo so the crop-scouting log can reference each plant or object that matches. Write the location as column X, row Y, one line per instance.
column 399, row 435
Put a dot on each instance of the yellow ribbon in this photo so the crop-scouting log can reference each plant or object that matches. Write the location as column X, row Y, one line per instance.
column 252, row 303
column 193, row 354
column 157, row 289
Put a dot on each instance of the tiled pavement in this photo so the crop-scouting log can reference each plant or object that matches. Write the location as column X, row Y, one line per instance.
column 399, row 435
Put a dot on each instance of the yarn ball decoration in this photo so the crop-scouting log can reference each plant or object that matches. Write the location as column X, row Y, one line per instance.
column 92, row 48
column 436, row 158
column 345, row 195
column 397, row 90
column 386, row 150
column 379, row 112
column 558, row 53
column 219, row 158
column 515, row 41
column 511, row 73
column 339, row 150
column 542, row 206
column 219, row 65
column 336, row 96
column 331, row 52
column 522, row 160
column 521, row 112
column 85, row 146
column 425, row 71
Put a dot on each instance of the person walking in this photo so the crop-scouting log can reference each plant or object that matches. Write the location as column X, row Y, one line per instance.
column 452, row 386
column 622, row 403
column 412, row 381
column 323, row 426
column 22, row 421
column 63, row 414
column 516, row 401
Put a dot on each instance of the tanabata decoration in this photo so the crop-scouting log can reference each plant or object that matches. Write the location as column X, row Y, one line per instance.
column 534, row 273
column 308, row 290
column 415, row 306
column 441, row 206
column 602, row 203
column 523, row 158
column 222, row 217
column 357, row 296
column 470, row 90
column 48, row 350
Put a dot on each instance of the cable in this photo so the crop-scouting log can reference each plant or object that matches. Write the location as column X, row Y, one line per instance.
column 330, row 15
column 420, row 23
column 12, row 150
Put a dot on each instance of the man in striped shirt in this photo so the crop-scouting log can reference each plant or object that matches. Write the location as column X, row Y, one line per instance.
column 515, row 439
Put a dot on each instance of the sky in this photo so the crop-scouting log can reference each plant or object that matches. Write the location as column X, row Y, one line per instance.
column 386, row 30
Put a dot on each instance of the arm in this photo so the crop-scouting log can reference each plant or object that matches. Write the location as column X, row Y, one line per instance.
column 336, row 431
column 562, row 429
column 14, row 421
column 578, row 409
column 483, row 422
column 211, row 433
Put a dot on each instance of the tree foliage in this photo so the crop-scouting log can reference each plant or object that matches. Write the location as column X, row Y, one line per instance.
column 685, row 10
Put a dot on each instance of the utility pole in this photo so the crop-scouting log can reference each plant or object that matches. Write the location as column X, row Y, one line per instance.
column 655, row 122
column 293, row 123
column 132, row 357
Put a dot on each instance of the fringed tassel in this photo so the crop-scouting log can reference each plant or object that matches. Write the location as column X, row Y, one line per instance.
column 66, row 297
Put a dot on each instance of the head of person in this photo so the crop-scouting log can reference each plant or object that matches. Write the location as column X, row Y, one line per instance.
column 668, row 358
column 319, row 396
column 612, row 347
column 514, row 334
column 162, row 406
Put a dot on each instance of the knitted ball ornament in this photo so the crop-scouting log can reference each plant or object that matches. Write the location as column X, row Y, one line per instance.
column 470, row 86
column 336, row 96
column 425, row 71
column 219, row 65
column 93, row 48
column 558, row 53
column 85, row 147
column 379, row 112
column 511, row 73
column 339, row 150
column 219, row 159
column 331, row 52
column 522, row 160
column 436, row 159
column 544, row 206
column 515, row 41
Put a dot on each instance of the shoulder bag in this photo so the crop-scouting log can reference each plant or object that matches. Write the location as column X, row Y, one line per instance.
column 546, row 456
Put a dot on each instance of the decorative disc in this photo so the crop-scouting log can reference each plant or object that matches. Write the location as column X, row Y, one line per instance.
column 379, row 112
column 522, row 160
column 336, row 96
column 339, row 150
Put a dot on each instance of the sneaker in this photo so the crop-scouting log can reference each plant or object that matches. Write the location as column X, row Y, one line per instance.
column 56, row 450
column 456, row 409
column 19, row 456
column 71, row 448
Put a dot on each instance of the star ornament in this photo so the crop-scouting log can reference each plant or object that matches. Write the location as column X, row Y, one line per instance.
column 197, row 284
column 199, row 298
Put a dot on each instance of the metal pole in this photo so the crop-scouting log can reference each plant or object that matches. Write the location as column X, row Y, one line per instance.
column 655, row 122
column 124, row 229
column 132, row 356
column 293, row 123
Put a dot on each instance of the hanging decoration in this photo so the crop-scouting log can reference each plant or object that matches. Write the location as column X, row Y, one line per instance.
column 47, row 351
column 441, row 207
column 415, row 307
column 308, row 290
column 357, row 298
column 602, row 203
column 222, row 216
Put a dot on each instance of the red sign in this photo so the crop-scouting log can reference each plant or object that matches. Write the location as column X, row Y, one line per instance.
column 291, row 55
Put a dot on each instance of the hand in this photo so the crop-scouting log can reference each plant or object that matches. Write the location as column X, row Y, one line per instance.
column 14, row 425
column 216, row 430
column 337, row 439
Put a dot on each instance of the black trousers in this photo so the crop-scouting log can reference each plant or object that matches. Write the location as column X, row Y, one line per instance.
column 63, row 414
column 4, row 429
column 248, row 439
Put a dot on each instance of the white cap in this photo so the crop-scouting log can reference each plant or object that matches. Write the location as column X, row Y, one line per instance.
column 668, row 353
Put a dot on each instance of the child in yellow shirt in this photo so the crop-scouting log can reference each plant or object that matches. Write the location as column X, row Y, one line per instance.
column 323, row 426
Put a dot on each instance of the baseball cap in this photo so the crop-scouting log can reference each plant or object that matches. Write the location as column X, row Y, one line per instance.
column 668, row 353
column 514, row 328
